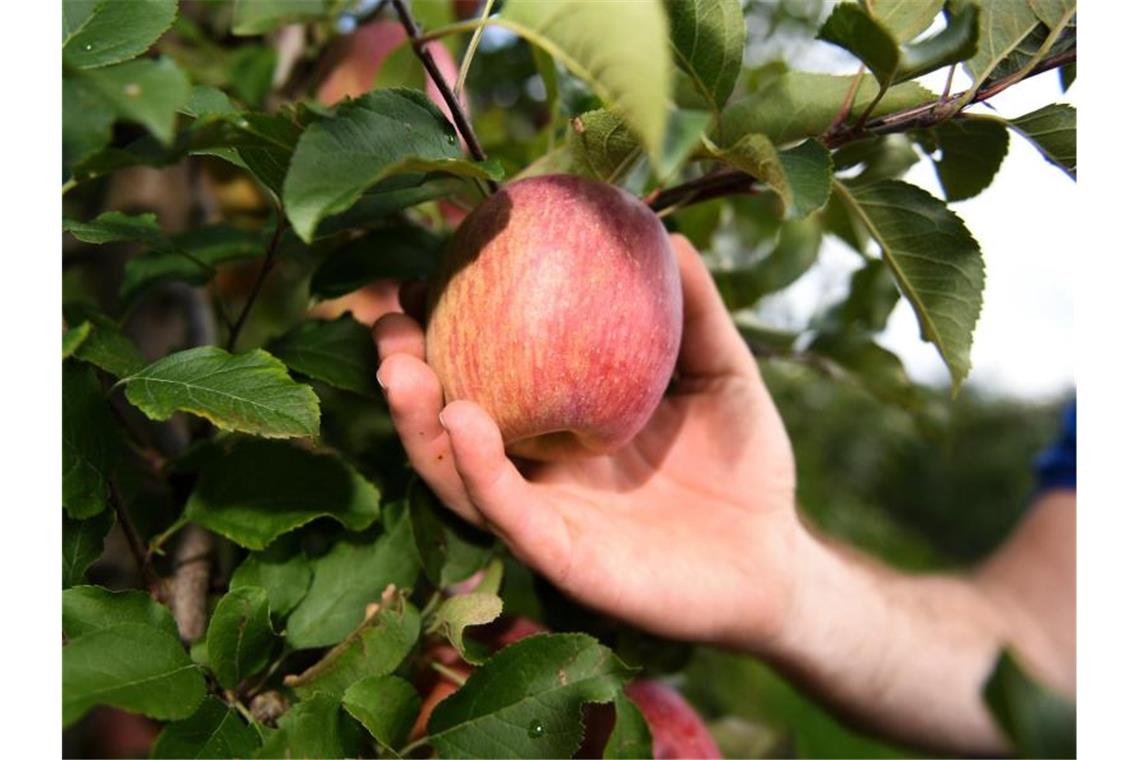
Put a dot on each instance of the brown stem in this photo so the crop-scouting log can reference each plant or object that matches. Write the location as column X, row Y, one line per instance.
column 191, row 582
column 266, row 267
column 128, row 527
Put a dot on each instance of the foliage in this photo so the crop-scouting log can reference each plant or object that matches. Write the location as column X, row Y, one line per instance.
column 214, row 211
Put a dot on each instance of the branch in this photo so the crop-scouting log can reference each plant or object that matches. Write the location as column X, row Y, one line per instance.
column 733, row 182
column 266, row 267
column 457, row 115
column 128, row 527
column 191, row 582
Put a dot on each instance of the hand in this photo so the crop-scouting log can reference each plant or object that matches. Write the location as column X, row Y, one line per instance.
column 687, row 531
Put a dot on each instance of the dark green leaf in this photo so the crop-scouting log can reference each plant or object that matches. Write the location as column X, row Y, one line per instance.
column 147, row 92
column 191, row 257
column 630, row 737
column 883, row 157
column 375, row 648
column 83, row 544
column 117, row 31
column 240, row 637
column 253, row 491
column 457, row 613
column 865, row 362
column 869, row 303
column 1038, row 721
column 315, row 728
column 801, row 176
column 765, row 341
column 259, row 16
column 282, row 570
column 972, row 152
column 405, row 252
column 206, row 102
column 380, row 134
column 936, row 263
column 91, row 442
column 93, row 608
column 131, row 666
column 106, row 347
column 601, row 146
column 905, row 19
column 526, row 701
column 1068, row 74
column 450, row 550
column 87, row 121
column 117, row 227
column 339, row 352
column 76, row 13
column 793, row 255
column 374, row 208
column 249, row 393
column 1053, row 131
column 352, row 575
column 386, row 705
column 213, row 731
column 1030, row 46
column 707, row 38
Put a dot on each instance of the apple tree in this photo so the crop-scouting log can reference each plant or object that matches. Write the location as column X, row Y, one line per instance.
column 249, row 562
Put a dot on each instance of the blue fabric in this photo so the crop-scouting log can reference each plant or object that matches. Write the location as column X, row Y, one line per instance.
column 1057, row 465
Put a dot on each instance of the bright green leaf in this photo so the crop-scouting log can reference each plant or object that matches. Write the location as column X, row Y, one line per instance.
column 1038, row 721
column 83, row 544
column 1053, row 131
column 240, row 637
column 630, row 737
column 972, row 153
column 457, row 613
column 793, row 255
column 282, row 570
column 315, row 728
column 339, row 352
column 214, row 730
column 91, row 442
column 707, row 39
column 93, row 608
column 450, row 550
column 386, row 705
column 249, row 393
column 118, row 31
column 905, row 19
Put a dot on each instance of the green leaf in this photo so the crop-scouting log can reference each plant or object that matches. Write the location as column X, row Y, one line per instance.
column 526, row 701
column 801, row 176
column 240, row 637
column 117, row 31
column 76, row 13
column 214, row 730
column 404, row 252
column 450, row 549
column 1052, row 12
column 1001, row 27
column 380, row 134
column 73, row 337
column 457, row 613
column 792, row 105
column 375, row 648
column 1053, row 131
column 972, row 152
column 352, row 575
column 147, row 92
column 630, row 737
column 883, row 157
column 793, row 255
column 387, row 706
column 259, row 16
column 83, row 544
column 315, row 728
column 601, row 146
column 868, row 364
column 904, row 19
column 131, row 666
column 91, row 442
column 106, row 347
column 869, row 303
column 87, row 121
column 92, row 608
column 248, row 393
column 936, row 263
column 117, row 227
column 1038, row 721
column 281, row 570
column 707, row 39
column 620, row 49
column 253, row 491
column 191, row 257
column 374, row 208
column 339, row 352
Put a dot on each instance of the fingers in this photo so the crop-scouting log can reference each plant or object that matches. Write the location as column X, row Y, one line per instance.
column 710, row 342
column 532, row 529
column 397, row 333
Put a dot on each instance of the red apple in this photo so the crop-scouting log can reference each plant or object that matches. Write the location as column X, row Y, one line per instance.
column 678, row 731
column 558, row 310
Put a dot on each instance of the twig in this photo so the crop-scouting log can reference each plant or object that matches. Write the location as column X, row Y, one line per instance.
column 848, row 100
column 266, row 267
column 472, row 46
column 458, row 116
column 132, row 534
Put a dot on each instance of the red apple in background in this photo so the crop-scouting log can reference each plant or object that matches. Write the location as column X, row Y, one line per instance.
column 678, row 731
column 558, row 310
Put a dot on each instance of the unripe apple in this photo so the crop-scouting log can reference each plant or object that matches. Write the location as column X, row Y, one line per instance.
column 558, row 310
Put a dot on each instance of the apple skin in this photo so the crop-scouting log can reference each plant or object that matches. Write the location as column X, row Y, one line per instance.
column 558, row 310
column 678, row 731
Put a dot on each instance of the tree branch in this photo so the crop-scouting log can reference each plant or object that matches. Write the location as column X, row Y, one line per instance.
column 133, row 541
column 191, row 582
column 266, row 267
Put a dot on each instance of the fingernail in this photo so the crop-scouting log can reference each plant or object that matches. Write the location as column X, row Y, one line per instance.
column 442, row 422
column 380, row 382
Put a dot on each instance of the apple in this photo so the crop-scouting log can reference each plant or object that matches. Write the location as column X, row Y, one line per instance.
column 558, row 310
column 678, row 731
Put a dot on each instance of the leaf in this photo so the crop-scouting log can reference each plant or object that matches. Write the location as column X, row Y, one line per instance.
column 87, row 121
column 315, row 728
column 450, row 550
column 870, row 365
column 285, row 575
column 936, row 263
column 73, row 337
column 353, row 574
column 1001, row 26
column 620, row 49
column 147, row 92
column 801, row 176
column 83, row 544
column 116, row 227
column 382, row 133
column 1053, row 131
column 240, row 637
column 1052, row 12
column 105, row 347
column 248, row 393
column 707, row 39
column 191, row 257
column 92, row 608
column 972, row 153
column 75, row 14
column 253, row 491
column 214, row 730
column 792, row 105
column 869, row 303
column 1038, row 721
column 630, row 737
column 905, row 19
column 117, row 31
column 386, row 705
column 375, row 648
column 793, row 255
column 375, row 206
column 253, row 17
column 339, row 352
column 1030, row 45
column 882, row 157
column 131, row 666
column 404, row 252
column 91, row 442
column 457, row 613
column 600, row 146
column 526, row 700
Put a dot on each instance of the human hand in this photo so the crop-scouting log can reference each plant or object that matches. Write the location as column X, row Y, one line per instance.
column 687, row 531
